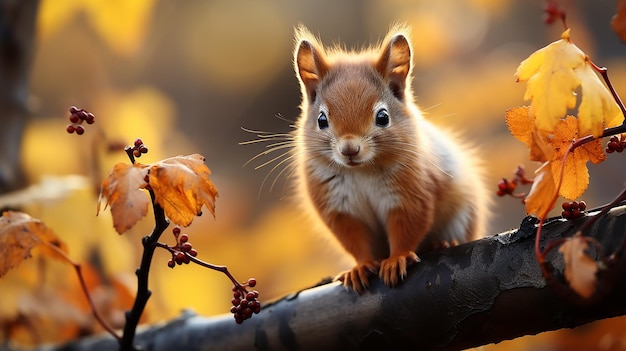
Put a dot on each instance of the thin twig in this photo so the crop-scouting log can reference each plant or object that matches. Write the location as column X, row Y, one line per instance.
column 202, row 263
column 83, row 285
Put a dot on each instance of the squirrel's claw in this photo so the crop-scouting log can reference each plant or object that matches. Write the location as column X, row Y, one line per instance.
column 393, row 269
column 357, row 278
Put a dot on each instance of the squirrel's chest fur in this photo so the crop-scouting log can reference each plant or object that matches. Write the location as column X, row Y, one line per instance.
column 365, row 195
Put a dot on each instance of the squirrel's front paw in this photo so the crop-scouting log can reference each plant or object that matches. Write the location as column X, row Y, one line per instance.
column 357, row 278
column 393, row 269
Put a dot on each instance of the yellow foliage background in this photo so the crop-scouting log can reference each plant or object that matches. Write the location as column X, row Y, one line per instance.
column 186, row 76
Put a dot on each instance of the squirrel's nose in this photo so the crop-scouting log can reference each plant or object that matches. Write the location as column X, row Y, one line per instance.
column 350, row 148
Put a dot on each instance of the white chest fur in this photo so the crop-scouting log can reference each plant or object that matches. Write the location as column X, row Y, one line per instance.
column 367, row 196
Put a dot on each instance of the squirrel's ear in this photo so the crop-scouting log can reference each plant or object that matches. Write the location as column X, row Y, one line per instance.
column 310, row 63
column 394, row 64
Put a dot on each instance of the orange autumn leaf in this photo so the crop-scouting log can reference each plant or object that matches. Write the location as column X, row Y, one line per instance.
column 575, row 174
column 522, row 126
column 182, row 186
column 580, row 270
column 19, row 234
column 123, row 191
column 554, row 73
column 543, row 193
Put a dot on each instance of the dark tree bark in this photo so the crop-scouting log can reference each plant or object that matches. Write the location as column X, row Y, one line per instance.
column 17, row 36
column 473, row 294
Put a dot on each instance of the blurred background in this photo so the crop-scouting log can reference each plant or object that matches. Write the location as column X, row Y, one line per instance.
column 186, row 76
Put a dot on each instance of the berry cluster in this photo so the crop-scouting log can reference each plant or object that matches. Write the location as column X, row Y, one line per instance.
column 506, row 187
column 245, row 302
column 573, row 210
column 77, row 117
column 182, row 249
column 616, row 144
column 137, row 149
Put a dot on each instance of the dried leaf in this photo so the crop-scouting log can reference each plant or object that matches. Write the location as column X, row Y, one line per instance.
column 19, row 234
column 123, row 191
column 182, row 186
column 580, row 269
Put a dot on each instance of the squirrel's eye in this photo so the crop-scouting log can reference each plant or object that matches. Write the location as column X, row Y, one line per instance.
column 382, row 118
column 322, row 121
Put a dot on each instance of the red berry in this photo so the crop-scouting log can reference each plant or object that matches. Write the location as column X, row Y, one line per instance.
column 143, row 149
column 179, row 257
column 79, row 129
column 74, row 118
column 582, row 205
column 252, row 282
column 566, row 206
column 235, row 302
column 193, row 252
column 186, row 247
column 136, row 153
column 73, row 109
column 90, row 118
column 183, row 238
column 138, row 142
column 171, row 264
column 70, row 129
column 176, row 231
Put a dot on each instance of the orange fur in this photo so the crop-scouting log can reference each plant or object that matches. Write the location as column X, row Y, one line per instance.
column 384, row 180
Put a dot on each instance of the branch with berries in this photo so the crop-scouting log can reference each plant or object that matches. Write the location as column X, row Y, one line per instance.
column 178, row 188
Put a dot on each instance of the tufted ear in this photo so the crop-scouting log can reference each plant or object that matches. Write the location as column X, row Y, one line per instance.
column 310, row 63
column 394, row 64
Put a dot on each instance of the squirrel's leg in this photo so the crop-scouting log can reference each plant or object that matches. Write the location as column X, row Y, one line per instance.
column 405, row 232
column 355, row 236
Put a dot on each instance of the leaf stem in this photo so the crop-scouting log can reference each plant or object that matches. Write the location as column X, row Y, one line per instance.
column 143, row 292
column 604, row 72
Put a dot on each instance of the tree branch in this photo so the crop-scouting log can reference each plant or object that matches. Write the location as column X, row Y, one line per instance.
column 473, row 294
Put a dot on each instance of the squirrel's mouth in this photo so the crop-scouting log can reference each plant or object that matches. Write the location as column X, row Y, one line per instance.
column 352, row 161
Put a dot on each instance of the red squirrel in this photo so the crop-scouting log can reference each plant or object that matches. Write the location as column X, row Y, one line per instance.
column 385, row 181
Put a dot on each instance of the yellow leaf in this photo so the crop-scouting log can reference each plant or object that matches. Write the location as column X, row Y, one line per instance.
column 19, row 233
column 543, row 193
column 554, row 73
column 552, row 79
column 182, row 186
column 580, row 270
column 598, row 109
column 122, row 189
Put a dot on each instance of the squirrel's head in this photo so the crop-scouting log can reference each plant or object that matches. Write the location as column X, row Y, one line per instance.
column 354, row 103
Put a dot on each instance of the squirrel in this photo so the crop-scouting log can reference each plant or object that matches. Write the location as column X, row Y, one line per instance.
column 385, row 181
